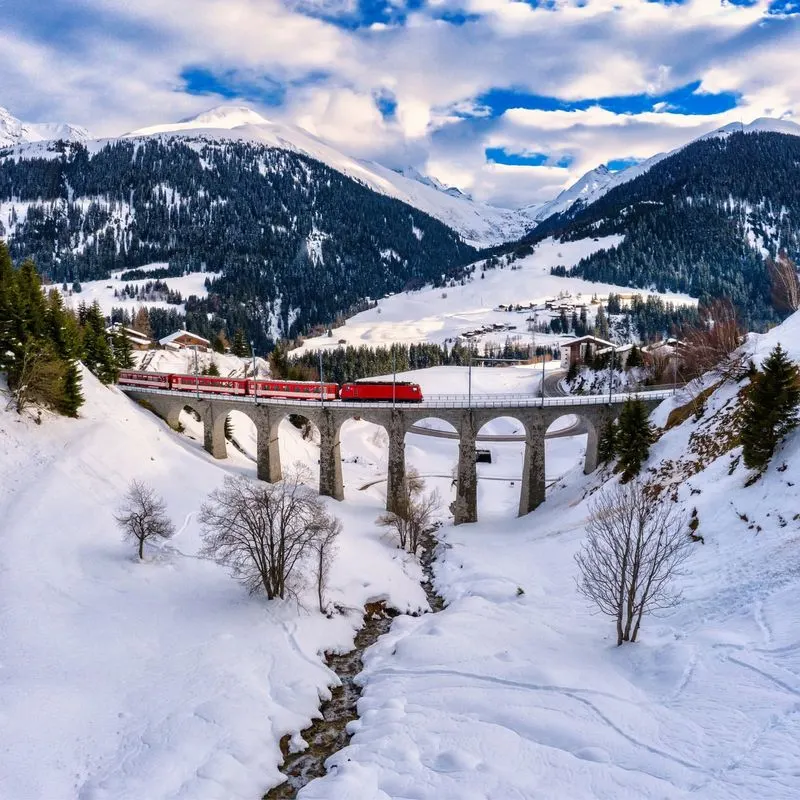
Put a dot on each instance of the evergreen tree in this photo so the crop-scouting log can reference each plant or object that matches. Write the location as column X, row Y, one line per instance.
column 770, row 409
column 213, row 369
column 634, row 358
column 572, row 372
column 601, row 324
column 98, row 356
column 9, row 341
column 607, row 442
column 71, row 396
column 123, row 350
column 633, row 438
column 239, row 347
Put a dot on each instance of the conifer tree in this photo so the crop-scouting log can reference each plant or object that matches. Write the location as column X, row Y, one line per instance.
column 240, row 347
column 9, row 342
column 607, row 442
column 633, row 438
column 634, row 358
column 98, row 355
column 71, row 398
column 770, row 408
column 123, row 350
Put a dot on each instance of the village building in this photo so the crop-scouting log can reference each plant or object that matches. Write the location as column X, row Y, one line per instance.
column 138, row 340
column 181, row 340
column 576, row 351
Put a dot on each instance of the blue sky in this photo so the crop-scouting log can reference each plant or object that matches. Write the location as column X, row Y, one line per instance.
column 511, row 101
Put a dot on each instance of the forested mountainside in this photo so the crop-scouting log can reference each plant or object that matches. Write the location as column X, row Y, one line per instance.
column 296, row 241
column 700, row 221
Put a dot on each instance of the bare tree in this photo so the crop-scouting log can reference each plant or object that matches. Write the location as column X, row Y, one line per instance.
column 266, row 532
column 633, row 552
column 784, row 282
column 323, row 549
column 142, row 516
column 414, row 514
column 713, row 344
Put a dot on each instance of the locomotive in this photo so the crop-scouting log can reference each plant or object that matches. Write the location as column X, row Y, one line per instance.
column 361, row 391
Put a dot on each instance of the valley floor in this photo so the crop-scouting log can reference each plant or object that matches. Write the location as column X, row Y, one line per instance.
column 165, row 680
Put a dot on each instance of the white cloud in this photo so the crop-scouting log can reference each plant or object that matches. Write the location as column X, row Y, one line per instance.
column 436, row 72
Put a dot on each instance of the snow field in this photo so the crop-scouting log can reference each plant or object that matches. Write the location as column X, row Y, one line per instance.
column 436, row 315
column 163, row 679
column 524, row 695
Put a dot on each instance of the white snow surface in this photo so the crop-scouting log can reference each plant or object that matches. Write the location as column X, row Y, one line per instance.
column 436, row 315
column 523, row 694
column 161, row 679
column 103, row 290
column 14, row 131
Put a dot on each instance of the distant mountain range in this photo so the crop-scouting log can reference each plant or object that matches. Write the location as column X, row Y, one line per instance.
column 231, row 191
column 701, row 219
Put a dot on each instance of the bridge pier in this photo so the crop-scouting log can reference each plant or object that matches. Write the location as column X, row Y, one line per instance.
column 330, row 455
column 533, row 462
column 268, row 452
column 214, row 431
column 396, row 473
column 465, row 507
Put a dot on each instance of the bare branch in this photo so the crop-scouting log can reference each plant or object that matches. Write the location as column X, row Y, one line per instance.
column 267, row 532
column 634, row 549
column 142, row 516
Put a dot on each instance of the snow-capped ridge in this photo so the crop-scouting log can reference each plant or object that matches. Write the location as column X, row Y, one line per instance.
column 478, row 223
column 14, row 131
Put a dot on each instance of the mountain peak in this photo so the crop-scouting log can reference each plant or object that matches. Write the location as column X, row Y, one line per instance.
column 14, row 131
column 226, row 116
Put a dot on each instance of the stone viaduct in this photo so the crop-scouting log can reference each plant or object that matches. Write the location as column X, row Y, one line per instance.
column 535, row 414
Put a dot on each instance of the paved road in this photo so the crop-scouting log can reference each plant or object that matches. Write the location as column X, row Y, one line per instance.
column 551, row 384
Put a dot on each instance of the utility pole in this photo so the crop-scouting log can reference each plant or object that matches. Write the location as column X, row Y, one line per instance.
column 321, row 384
column 255, row 385
column 611, row 372
column 675, row 368
column 394, row 376
column 196, row 373
column 469, row 379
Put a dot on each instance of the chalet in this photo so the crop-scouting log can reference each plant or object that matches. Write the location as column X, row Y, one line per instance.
column 138, row 340
column 181, row 340
column 622, row 353
column 576, row 351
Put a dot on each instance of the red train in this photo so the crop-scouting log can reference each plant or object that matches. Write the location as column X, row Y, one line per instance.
column 362, row 392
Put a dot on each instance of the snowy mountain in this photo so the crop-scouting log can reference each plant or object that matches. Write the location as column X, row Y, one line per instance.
column 14, row 131
column 599, row 181
column 700, row 219
column 480, row 224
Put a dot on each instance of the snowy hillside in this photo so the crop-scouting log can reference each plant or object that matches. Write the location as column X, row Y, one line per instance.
column 159, row 680
column 517, row 690
column 438, row 315
column 14, row 131
column 479, row 224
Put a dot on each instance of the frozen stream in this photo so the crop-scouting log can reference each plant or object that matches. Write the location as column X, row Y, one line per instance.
column 328, row 734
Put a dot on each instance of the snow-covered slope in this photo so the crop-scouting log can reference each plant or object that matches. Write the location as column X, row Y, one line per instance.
column 14, row 131
column 599, row 181
column 161, row 680
column 516, row 689
column 478, row 223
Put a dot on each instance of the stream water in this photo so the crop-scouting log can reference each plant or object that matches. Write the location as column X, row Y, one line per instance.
column 328, row 734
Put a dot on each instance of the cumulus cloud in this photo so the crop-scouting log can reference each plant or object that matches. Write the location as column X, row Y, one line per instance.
column 120, row 76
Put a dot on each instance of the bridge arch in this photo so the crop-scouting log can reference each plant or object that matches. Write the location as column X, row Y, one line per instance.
column 504, row 438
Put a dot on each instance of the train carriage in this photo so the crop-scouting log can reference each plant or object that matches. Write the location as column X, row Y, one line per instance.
column 292, row 390
column 150, row 380
column 206, row 384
